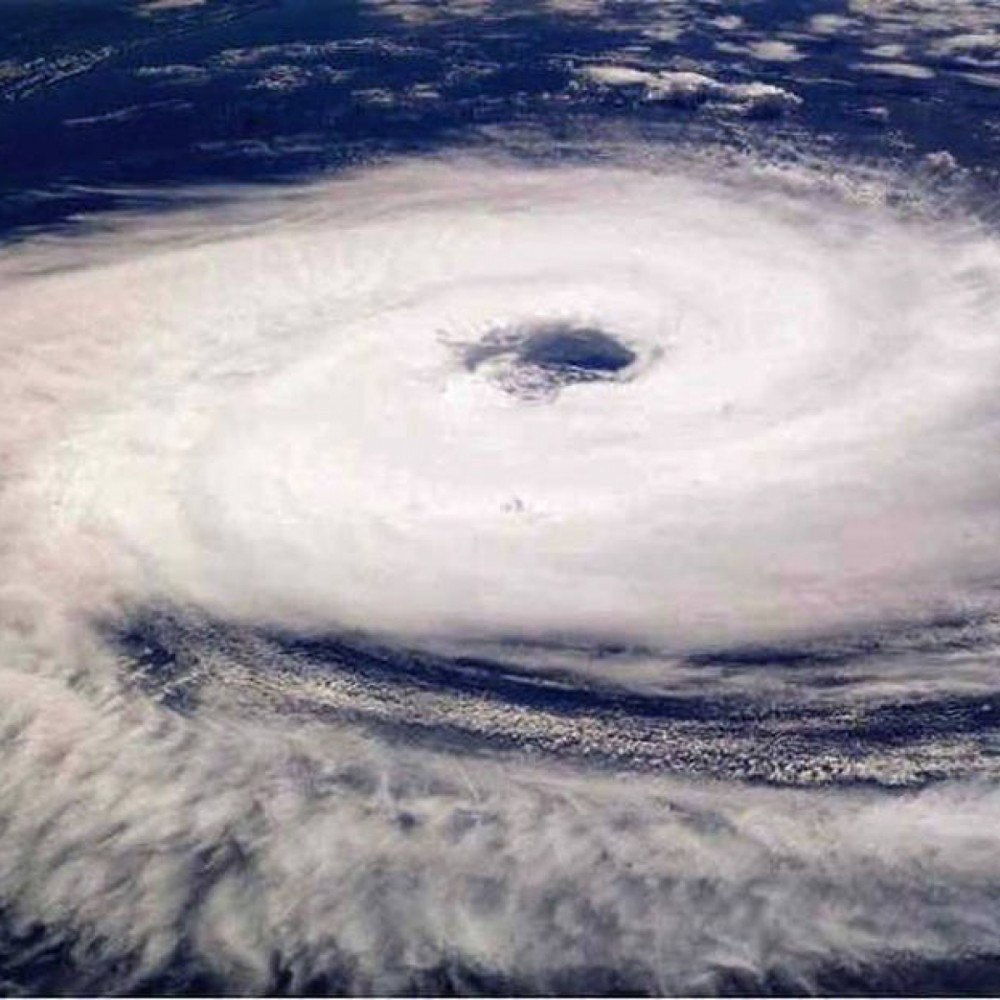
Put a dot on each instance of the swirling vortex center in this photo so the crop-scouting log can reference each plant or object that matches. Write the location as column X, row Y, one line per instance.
column 536, row 362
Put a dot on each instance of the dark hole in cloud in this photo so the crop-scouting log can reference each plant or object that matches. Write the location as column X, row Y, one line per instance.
column 536, row 361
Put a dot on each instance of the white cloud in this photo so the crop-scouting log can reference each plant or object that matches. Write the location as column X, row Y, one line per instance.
column 255, row 410
column 689, row 89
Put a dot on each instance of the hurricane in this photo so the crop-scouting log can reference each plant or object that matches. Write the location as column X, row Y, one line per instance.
column 515, row 567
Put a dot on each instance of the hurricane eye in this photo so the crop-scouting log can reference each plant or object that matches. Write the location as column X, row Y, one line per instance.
column 575, row 349
column 537, row 361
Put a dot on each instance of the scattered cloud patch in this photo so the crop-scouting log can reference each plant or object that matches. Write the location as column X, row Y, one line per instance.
column 774, row 50
column 904, row 70
column 156, row 6
column 728, row 22
column 125, row 114
column 829, row 24
column 689, row 89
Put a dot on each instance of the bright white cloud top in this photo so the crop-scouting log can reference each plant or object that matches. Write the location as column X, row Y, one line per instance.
column 797, row 447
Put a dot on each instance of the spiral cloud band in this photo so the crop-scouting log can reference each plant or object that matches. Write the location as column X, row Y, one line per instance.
column 394, row 570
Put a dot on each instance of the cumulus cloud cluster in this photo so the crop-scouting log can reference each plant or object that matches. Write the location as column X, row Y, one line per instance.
column 688, row 89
